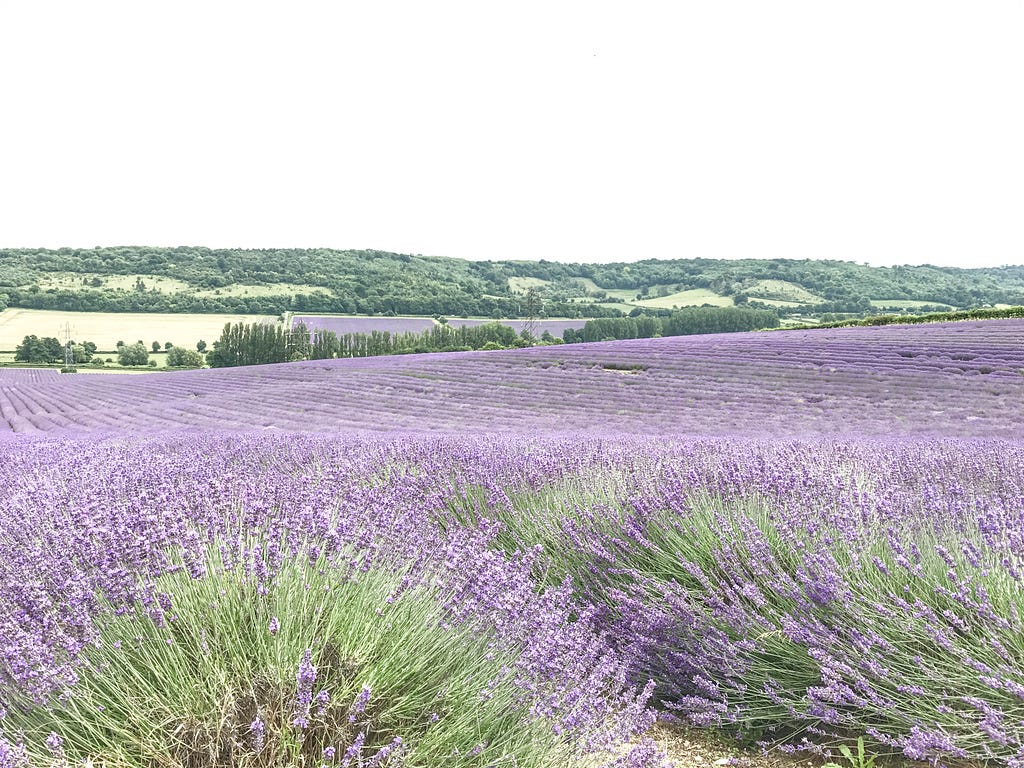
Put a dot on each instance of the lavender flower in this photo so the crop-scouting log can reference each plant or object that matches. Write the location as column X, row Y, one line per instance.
column 354, row 750
column 12, row 755
column 304, row 679
column 323, row 698
column 258, row 731
column 55, row 744
column 359, row 704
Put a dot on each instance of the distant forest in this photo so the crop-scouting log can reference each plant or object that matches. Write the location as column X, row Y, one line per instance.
column 274, row 281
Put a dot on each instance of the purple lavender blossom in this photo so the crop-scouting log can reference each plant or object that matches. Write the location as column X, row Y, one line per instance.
column 12, row 755
column 304, row 679
column 354, row 750
column 359, row 703
column 258, row 731
column 321, row 700
column 55, row 744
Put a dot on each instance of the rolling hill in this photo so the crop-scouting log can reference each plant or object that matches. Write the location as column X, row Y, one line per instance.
column 201, row 280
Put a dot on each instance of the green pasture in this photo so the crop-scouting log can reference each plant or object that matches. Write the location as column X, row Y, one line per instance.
column 523, row 284
column 694, row 297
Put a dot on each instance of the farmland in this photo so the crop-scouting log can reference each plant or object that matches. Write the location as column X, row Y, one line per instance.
column 797, row 538
column 105, row 329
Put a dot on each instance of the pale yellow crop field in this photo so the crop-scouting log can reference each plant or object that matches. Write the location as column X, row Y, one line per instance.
column 105, row 329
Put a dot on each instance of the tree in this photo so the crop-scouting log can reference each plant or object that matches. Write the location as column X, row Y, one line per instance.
column 181, row 357
column 33, row 350
column 201, row 346
column 156, row 346
column 54, row 349
column 134, row 354
column 167, row 345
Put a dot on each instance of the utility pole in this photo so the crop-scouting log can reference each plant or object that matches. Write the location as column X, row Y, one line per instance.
column 533, row 304
column 69, row 355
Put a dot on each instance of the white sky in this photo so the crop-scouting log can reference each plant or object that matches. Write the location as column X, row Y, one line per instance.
column 886, row 131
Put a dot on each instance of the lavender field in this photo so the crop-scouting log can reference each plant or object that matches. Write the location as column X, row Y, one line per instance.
column 951, row 379
column 556, row 328
column 523, row 557
column 342, row 325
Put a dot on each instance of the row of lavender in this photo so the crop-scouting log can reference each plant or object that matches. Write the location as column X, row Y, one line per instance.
column 962, row 379
column 798, row 592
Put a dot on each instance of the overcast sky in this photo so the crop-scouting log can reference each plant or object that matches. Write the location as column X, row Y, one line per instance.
column 888, row 131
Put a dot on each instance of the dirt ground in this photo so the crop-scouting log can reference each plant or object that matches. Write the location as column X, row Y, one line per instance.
column 695, row 748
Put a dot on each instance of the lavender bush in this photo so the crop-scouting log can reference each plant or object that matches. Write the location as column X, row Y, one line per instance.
column 249, row 603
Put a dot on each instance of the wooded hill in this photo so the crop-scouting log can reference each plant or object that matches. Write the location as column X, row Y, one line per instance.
column 200, row 280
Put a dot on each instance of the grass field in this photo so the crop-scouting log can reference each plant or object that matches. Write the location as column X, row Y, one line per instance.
column 522, row 284
column 627, row 297
column 124, row 282
column 7, row 360
column 272, row 289
column 622, row 294
column 692, row 298
column 781, row 290
column 105, row 329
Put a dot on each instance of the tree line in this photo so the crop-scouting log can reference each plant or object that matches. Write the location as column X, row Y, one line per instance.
column 258, row 344
column 262, row 343
column 682, row 322
column 932, row 317
column 48, row 350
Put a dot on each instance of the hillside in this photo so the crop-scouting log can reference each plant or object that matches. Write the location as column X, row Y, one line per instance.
column 201, row 280
column 947, row 378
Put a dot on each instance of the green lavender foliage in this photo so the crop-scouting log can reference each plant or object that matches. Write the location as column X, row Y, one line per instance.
column 184, row 681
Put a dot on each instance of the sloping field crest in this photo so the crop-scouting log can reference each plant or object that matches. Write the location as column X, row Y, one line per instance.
column 945, row 379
